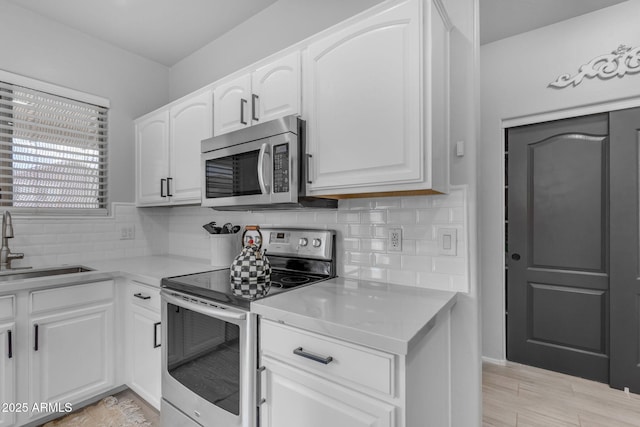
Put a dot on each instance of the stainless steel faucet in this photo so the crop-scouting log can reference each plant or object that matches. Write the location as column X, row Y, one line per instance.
column 7, row 233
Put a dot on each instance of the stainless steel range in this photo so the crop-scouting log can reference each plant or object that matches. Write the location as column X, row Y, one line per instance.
column 209, row 357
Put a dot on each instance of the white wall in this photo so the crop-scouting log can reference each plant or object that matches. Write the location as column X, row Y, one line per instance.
column 515, row 73
column 280, row 25
column 45, row 50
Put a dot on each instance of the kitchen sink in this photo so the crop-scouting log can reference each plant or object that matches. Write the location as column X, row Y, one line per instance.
column 21, row 274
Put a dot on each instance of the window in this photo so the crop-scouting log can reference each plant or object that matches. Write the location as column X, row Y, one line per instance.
column 53, row 152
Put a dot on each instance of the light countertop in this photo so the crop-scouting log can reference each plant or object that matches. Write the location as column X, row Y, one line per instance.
column 387, row 317
column 147, row 269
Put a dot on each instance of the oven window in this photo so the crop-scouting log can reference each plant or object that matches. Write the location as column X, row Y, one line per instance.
column 230, row 176
column 204, row 356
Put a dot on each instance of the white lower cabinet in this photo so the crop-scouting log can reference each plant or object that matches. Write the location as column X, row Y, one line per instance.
column 7, row 360
column 312, row 380
column 296, row 398
column 57, row 350
column 144, row 337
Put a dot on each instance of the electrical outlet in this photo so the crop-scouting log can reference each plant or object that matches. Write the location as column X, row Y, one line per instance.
column 395, row 239
column 127, row 232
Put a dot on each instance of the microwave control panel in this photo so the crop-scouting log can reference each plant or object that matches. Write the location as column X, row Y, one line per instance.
column 281, row 168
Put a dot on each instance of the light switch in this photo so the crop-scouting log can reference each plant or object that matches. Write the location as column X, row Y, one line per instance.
column 447, row 241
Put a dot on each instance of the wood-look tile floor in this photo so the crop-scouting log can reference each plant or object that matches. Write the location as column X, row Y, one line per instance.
column 524, row 396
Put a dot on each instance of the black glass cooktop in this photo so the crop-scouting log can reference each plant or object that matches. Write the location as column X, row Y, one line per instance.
column 216, row 285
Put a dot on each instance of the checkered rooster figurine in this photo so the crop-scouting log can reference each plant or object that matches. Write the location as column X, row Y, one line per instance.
column 251, row 270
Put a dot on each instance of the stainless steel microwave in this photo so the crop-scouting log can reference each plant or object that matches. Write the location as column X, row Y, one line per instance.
column 257, row 168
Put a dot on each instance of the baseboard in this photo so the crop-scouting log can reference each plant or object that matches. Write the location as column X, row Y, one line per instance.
column 501, row 362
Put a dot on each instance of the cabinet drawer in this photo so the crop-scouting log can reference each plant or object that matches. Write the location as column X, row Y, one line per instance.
column 359, row 365
column 73, row 295
column 7, row 307
column 144, row 296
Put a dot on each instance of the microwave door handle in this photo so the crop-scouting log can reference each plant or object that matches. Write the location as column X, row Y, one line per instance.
column 264, row 150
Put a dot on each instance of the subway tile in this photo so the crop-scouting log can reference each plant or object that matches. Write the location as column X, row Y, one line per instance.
column 360, row 258
column 401, row 216
column 350, row 271
column 449, row 265
column 346, row 217
column 402, row 277
column 349, row 244
column 416, row 263
column 373, row 217
column 327, row 217
column 457, row 215
column 417, row 233
column 455, row 198
column 388, row 203
column 376, row 245
column 387, row 260
column 416, row 202
column 434, row 281
column 372, row 273
column 460, row 283
column 360, row 231
column 427, row 247
column 360, row 204
column 433, row 216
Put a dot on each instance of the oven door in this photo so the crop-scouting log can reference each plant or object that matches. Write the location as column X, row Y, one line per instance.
column 260, row 172
column 208, row 361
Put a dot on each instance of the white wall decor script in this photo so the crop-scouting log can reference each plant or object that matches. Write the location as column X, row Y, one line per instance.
column 623, row 60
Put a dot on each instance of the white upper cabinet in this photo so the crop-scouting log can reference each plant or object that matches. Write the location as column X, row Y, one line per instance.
column 168, row 151
column 152, row 158
column 231, row 105
column 369, row 103
column 269, row 92
column 191, row 122
column 276, row 89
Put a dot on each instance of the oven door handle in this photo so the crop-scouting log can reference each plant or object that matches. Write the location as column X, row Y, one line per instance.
column 207, row 311
column 264, row 149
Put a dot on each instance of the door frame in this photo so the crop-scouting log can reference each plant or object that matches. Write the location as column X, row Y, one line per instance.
column 510, row 122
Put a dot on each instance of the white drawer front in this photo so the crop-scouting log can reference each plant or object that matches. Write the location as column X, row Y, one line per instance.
column 144, row 296
column 73, row 295
column 359, row 365
column 7, row 307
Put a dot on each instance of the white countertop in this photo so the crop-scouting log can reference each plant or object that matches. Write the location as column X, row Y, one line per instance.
column 387, row 317
column 148, row 269
column 151, row 269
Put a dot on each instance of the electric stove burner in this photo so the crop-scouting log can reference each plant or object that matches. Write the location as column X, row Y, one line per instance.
column 285, row 280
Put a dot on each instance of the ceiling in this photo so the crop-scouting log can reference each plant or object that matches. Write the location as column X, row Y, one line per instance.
column 500, row 19
column 166, row 31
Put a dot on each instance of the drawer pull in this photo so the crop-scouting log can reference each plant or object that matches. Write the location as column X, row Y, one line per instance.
column 141, row 296
column 156, row 342
column 316, row 358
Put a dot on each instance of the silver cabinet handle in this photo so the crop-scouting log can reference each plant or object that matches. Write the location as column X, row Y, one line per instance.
column 264, row 150
column 242, row 102
column 162, row 182
column 259, row 399
column 316, row 358
column 156, row 342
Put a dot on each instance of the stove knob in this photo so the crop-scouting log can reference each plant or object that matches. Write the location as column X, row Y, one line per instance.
column 303, row 241
column 317, row 243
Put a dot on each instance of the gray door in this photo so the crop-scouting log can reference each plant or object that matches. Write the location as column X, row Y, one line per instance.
column 557, row 258
column 625, row 264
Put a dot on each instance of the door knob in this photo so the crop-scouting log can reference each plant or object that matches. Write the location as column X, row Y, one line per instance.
column 515, row 257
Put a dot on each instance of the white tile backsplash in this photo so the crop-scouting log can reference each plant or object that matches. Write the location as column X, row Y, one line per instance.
column 75, row 240
column 362, row 230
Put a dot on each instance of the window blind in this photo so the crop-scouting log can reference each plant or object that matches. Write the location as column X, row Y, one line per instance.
column 53, row 152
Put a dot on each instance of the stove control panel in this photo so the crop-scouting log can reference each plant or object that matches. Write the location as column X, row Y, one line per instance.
column 304, row 243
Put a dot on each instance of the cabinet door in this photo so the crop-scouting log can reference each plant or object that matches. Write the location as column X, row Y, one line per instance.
column 145, row 354
column 296, row 398
column 191, row 122
column 72, row 355
column 152, row 159
column 276, row 89
column 363, row 100
column 7, row 372
column 232, row 105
